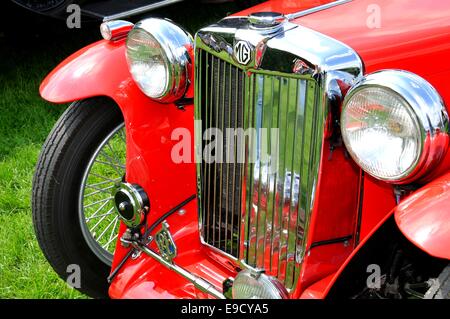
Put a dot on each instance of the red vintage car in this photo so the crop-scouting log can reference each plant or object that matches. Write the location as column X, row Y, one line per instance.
column 297, row 149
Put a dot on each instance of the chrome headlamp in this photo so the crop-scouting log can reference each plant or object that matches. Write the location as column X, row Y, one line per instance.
column 394, row 125
column 255, row 285
column 158, row 58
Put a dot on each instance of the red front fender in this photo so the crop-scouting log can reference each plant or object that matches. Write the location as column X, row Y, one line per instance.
column 99, row 69
column 424, row 217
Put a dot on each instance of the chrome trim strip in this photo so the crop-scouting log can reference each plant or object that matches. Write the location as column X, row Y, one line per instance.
column 140, row 10
column 271, row 21
column 303, row 13
column 198, row 282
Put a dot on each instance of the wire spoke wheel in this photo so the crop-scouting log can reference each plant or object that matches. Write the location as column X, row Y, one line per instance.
column 98, row 219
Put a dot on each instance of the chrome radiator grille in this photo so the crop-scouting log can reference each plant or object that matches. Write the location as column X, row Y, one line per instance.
column 256, row 209
column 222, row 87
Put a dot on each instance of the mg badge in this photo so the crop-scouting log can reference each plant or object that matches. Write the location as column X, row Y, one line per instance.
column 242, row 52
column 165, row 243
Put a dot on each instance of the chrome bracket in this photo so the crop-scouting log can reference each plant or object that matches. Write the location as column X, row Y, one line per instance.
column 198, row 282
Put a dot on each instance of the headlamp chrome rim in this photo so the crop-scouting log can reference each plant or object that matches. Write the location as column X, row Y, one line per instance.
column 271, row 284
column 428, row 109
column 176, row 44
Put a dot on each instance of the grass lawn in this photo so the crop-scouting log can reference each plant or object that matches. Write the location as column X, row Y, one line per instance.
column 26, row 56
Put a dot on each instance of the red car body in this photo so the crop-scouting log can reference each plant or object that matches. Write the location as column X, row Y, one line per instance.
column 415, row 36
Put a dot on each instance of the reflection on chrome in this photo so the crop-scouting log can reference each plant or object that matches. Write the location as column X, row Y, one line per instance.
column 256, row 216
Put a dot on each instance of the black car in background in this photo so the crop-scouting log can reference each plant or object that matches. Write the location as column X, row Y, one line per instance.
column 107, row 9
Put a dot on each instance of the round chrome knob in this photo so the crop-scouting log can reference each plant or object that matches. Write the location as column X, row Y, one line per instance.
column 264, row 20
column 122, row 206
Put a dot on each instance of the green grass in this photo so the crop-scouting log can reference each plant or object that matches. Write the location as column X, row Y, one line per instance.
column 25, row 120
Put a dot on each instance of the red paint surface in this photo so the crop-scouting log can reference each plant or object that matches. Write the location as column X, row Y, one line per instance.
column 424, row 217
column 317, row 290
column 333, row 216
column 98, row 69
column 417, row 40
column 378, row 200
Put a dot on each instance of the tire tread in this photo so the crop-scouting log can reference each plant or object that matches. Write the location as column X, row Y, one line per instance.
column 47, row 177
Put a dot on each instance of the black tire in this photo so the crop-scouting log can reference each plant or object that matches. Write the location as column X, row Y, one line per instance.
column 56, row 187
column 440, row 289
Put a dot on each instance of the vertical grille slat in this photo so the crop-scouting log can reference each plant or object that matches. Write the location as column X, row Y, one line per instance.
column 271, row 108
column 221, row 110
column 265, row 169
column 232, row 124
column 294, row 191
column 258, row 181
column 207, row 62
column 214, row 124
column 278, row 180
column 227, row 154
column 256, row 195
column 249, row 149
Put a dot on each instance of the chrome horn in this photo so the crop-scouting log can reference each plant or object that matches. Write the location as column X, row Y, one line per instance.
column 131, row 203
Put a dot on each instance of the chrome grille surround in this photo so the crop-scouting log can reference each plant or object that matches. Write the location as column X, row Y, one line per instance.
column 293, row 79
